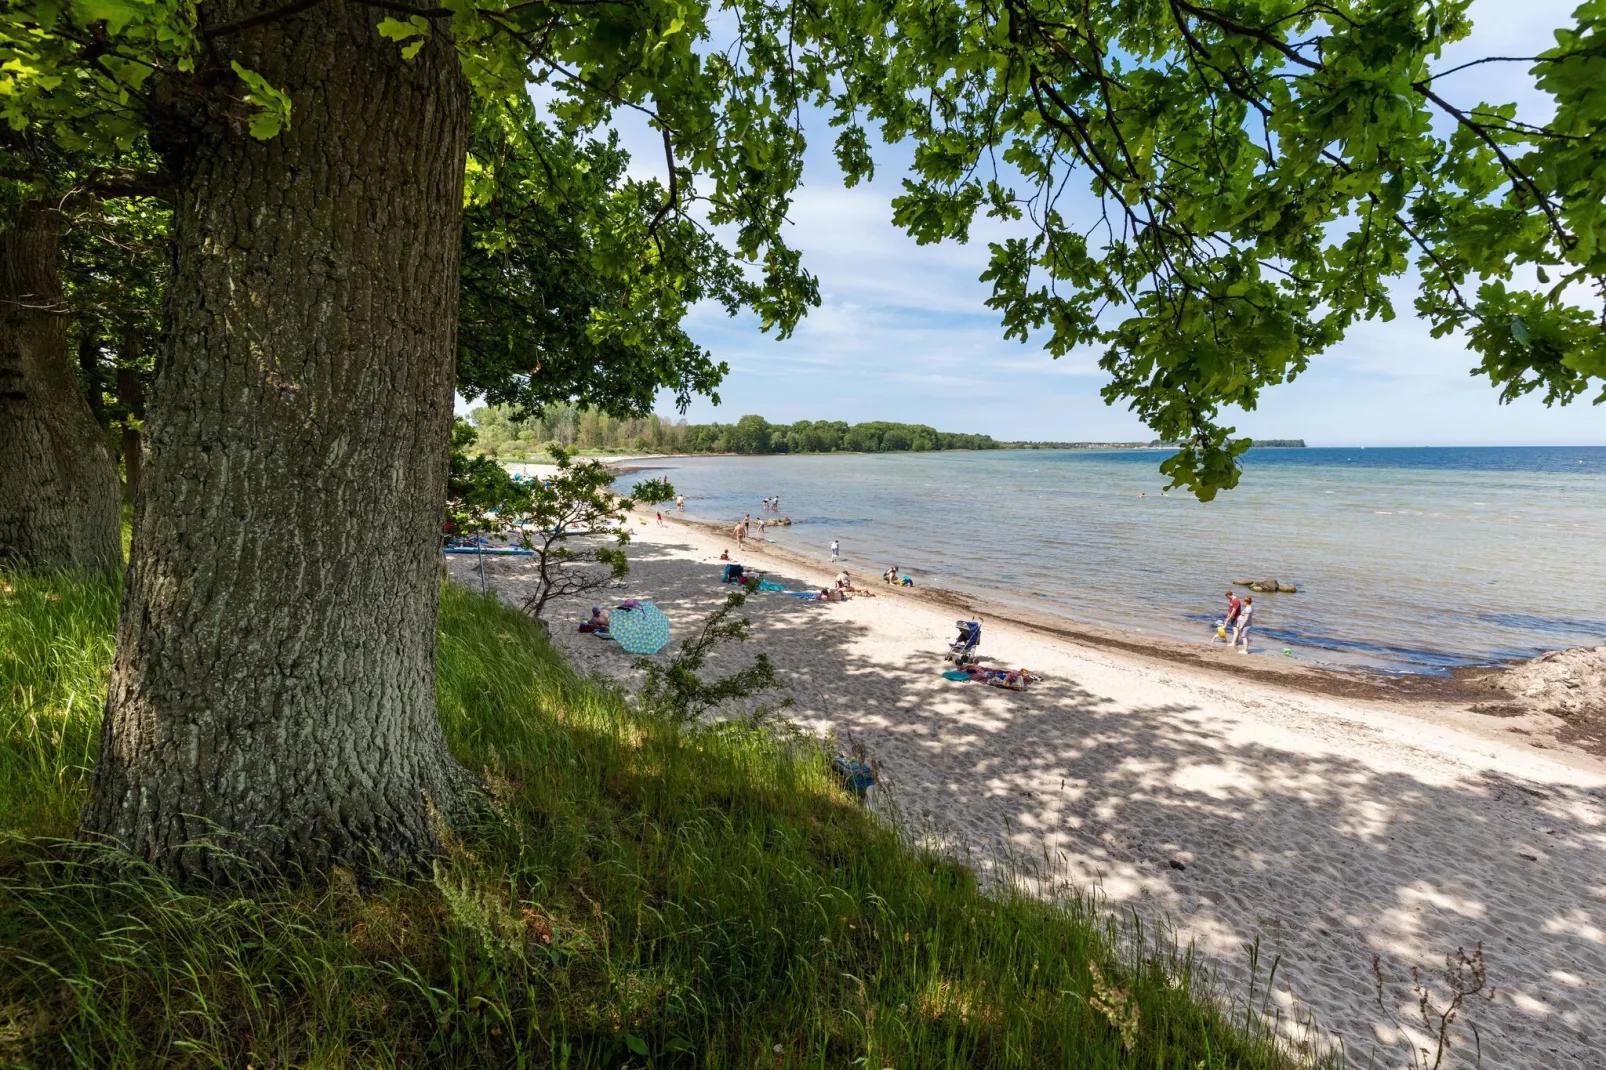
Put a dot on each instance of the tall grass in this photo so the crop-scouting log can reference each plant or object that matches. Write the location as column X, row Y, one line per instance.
column 646, row 895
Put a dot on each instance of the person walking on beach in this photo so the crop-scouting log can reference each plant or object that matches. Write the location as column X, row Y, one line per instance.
column 1245, row 620
column 660, row 520
column 836, row 550
column 741, row 535
column 1234, row 607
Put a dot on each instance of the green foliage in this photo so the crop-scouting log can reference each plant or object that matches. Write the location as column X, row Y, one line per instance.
column 101, row 74
column 55, row 647
column 574, row 281
column 676, row 691
column 704, row 894
column 479, row 492
column 1257, row 173
column 1263, row 169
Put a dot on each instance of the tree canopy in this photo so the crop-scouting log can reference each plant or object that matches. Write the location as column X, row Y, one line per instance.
column 1258, row 171
column 575, row 281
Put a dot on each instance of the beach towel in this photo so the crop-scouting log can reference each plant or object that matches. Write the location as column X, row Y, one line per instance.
column 771, row 585
column 855, row 775
column 955, row 675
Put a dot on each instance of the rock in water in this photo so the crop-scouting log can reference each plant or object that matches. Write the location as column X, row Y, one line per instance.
column 1287, row 588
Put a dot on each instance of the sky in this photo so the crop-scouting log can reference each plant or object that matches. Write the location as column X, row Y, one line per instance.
column 902, row 332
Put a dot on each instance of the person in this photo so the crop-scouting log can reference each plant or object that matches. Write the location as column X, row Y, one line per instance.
column 660, row 520
column 598, row 621
column 890, row 575
column 1246, row 619
column 775, row 503
column 762, row 525
column 1234, row 607
column 740, row 532
column 844, row 582
column 907, row 582
column 724, row 555
column 836, row 549
column 747, row 521
column 680, row 502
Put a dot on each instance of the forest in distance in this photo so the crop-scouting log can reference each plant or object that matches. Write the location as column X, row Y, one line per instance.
column 503, row 433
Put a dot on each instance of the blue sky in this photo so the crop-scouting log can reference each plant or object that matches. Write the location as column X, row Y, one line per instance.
column 902, row 332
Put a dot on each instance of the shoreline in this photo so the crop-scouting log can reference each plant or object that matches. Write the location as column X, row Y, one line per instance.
column 1468, row 685
column 1235, row 804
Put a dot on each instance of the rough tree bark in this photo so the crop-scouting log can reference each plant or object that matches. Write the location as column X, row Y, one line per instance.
column 274, row 683
column 59, row 502
column 131, row 396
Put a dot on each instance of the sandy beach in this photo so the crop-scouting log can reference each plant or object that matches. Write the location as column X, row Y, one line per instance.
column 1330, row 818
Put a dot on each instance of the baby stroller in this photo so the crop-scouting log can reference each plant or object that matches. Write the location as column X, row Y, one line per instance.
column 963, row 650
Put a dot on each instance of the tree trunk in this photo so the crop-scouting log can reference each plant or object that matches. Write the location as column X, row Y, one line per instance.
column 89, row 377
column 131, row 396
column 274, row 684
column 58, row 485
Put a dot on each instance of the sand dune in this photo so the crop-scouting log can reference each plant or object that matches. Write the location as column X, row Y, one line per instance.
column 1328, row 827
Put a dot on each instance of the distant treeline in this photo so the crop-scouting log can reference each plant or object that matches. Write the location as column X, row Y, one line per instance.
column 500, row 435
column 1270, row 443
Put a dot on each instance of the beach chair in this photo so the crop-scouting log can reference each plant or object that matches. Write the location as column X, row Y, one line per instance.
column 963, row 649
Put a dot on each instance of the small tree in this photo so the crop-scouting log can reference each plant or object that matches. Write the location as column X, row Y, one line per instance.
column 679, row 693
column 480, row 495
column 578, row 502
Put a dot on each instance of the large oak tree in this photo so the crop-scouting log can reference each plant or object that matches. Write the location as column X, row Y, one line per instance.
column 272, row 696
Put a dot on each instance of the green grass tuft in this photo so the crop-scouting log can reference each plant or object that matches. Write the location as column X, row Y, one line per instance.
column 648, row 895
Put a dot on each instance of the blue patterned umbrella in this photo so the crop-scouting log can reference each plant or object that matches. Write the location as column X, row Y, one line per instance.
column 642, row 630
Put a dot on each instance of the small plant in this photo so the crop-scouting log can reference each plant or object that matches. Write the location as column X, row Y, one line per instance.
column 1467, row 979
column 1117, row 1005
column 679, row 693
column 576, row 502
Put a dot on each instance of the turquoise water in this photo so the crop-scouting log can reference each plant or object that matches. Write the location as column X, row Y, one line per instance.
column 1411, row 560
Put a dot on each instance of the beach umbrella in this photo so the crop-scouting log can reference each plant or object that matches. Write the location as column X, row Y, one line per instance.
column 641, row 630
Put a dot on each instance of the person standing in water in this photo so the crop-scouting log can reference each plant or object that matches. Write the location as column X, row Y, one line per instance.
column 1246, row 619
column 836, row 549
column 1234, row 607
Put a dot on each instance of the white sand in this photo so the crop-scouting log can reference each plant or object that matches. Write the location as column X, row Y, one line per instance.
column 1331, row 829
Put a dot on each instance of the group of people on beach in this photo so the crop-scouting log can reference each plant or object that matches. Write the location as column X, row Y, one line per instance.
column 1239, row 620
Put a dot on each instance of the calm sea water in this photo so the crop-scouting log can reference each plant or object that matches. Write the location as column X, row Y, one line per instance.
column 1412, row 560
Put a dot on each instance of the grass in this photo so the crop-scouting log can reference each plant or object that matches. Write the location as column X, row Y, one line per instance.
column 649, row 896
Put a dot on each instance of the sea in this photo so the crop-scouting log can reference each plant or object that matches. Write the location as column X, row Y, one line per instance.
column 1406, row 560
